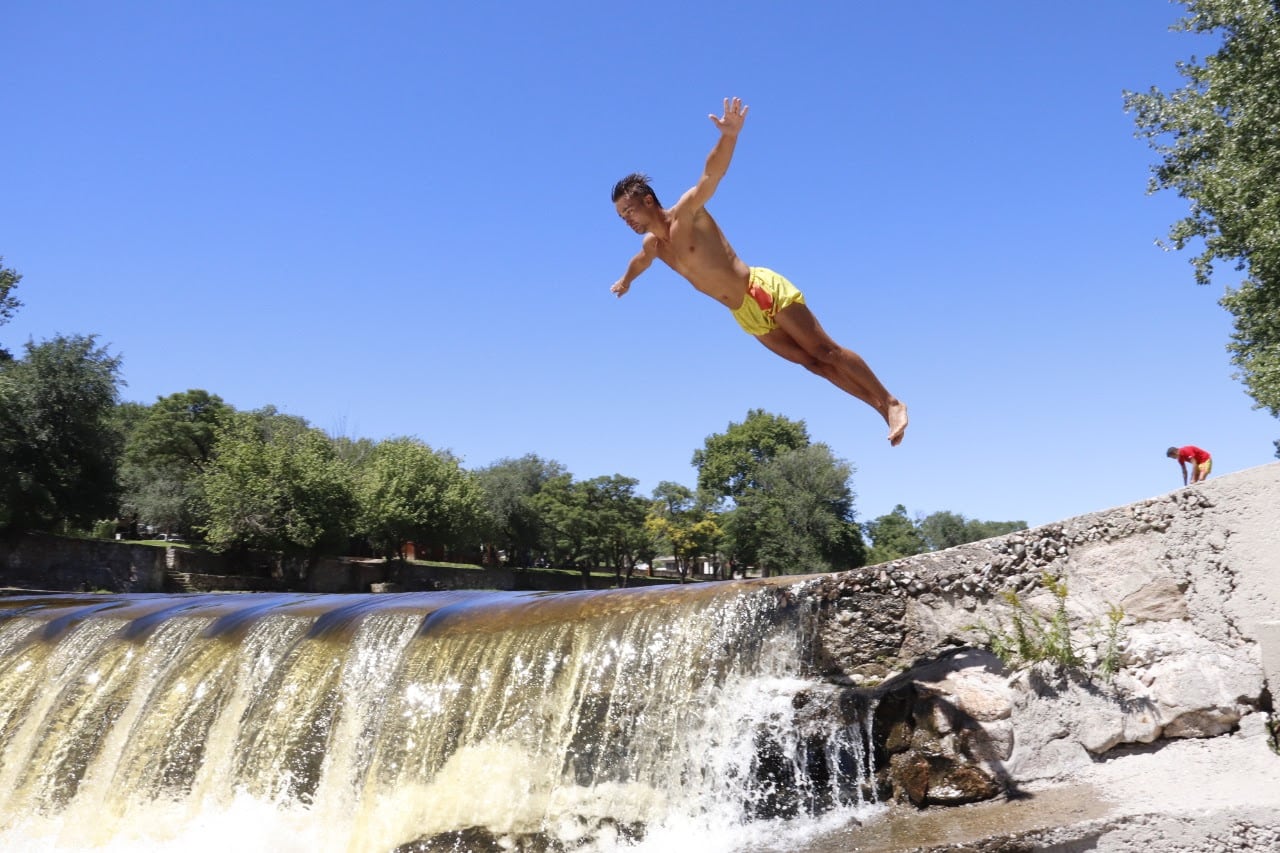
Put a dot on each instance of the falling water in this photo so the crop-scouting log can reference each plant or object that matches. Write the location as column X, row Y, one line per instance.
column 655, row 719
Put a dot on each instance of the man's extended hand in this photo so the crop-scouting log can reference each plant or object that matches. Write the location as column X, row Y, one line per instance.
column 620, row 287
column 734, row 116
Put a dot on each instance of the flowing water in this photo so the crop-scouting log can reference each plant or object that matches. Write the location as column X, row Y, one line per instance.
column 658, row 719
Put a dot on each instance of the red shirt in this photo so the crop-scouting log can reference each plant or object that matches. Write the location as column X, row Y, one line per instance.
column 1192, row 453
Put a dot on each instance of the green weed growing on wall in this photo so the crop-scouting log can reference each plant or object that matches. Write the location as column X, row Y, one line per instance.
column 1027, row 636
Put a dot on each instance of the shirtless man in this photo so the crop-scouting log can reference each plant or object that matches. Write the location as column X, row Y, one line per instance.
column 765, row 304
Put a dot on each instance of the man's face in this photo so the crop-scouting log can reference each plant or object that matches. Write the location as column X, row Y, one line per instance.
column 635, row 211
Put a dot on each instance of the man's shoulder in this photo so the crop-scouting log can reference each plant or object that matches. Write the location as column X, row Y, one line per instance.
column 692, row 217
column 688, row 205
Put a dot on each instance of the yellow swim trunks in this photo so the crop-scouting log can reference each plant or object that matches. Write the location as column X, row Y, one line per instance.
column 767, row 294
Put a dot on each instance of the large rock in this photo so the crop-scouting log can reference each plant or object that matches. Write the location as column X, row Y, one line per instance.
column 945, row 731
column 1204, row 695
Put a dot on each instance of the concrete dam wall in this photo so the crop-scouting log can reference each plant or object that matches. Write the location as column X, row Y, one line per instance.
column 1170, row 608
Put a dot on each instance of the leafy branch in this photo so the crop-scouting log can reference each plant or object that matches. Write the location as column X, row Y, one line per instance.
column 1031, row 637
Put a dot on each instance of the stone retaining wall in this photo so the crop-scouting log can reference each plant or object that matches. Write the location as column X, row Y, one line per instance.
column 40, row 561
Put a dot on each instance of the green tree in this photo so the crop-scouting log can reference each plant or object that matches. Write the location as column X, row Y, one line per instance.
column 616, row 514
column 977, row 530
column 513, row 524
column 1255, row 341
column 893, row 536
column 592, row 523
column 678, row 519
column 949, row 529
column 1220, row 150
column 355, row 452
column 729, row 463
column 588, row 524
column 411, row 493
column 561, row 503
column 58, row 449
column 8, row 302
column 943, row 530
column 674, row 498
column 165, row 453
column 126, row 417
column 690, row 537
column 275, row 484
column 181, row 427
column 800, row 517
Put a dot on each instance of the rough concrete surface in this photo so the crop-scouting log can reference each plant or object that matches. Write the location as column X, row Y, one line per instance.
column 1171, row 753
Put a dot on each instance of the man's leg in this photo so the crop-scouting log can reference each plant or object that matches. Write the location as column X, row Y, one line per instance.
column 801, row 339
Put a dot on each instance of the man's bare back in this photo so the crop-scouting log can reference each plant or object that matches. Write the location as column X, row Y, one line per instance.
column 686, row 238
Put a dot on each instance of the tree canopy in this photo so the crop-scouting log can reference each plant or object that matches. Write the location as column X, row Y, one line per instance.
column 74, row 459
column 58, row 447
column 948, row 529
column 729, row 462
column 8, row 302
column 511, row 518
column 1220, row 150
column 276, row 484
column 410, row 493
column 682, row 523
column 894, row 535
column 800, row 519
column 166, row 449
column 793, row 506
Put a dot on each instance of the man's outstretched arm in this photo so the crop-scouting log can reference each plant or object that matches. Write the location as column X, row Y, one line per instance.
column 730, row 125
column 640, row 263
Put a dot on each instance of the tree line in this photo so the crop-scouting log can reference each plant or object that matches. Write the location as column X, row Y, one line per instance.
column 76, row 460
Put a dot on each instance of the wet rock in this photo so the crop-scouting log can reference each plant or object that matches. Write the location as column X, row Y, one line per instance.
column 475, row 839
column 478, row 839
column 911, row 775
column 959, row 784
column 945, row 730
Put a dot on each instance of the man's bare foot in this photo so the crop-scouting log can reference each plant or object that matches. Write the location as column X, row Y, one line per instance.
column 897, row 418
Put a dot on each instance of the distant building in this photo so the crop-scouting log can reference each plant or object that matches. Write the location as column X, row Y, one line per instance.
column 668, row 566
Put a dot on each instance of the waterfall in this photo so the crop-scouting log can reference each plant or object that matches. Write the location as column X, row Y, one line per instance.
column 649, row 719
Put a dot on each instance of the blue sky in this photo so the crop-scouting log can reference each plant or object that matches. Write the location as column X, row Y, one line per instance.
column 393, row 218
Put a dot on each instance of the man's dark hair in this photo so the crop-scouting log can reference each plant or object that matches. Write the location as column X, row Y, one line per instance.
column 1172, row 451
column 635, row 184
